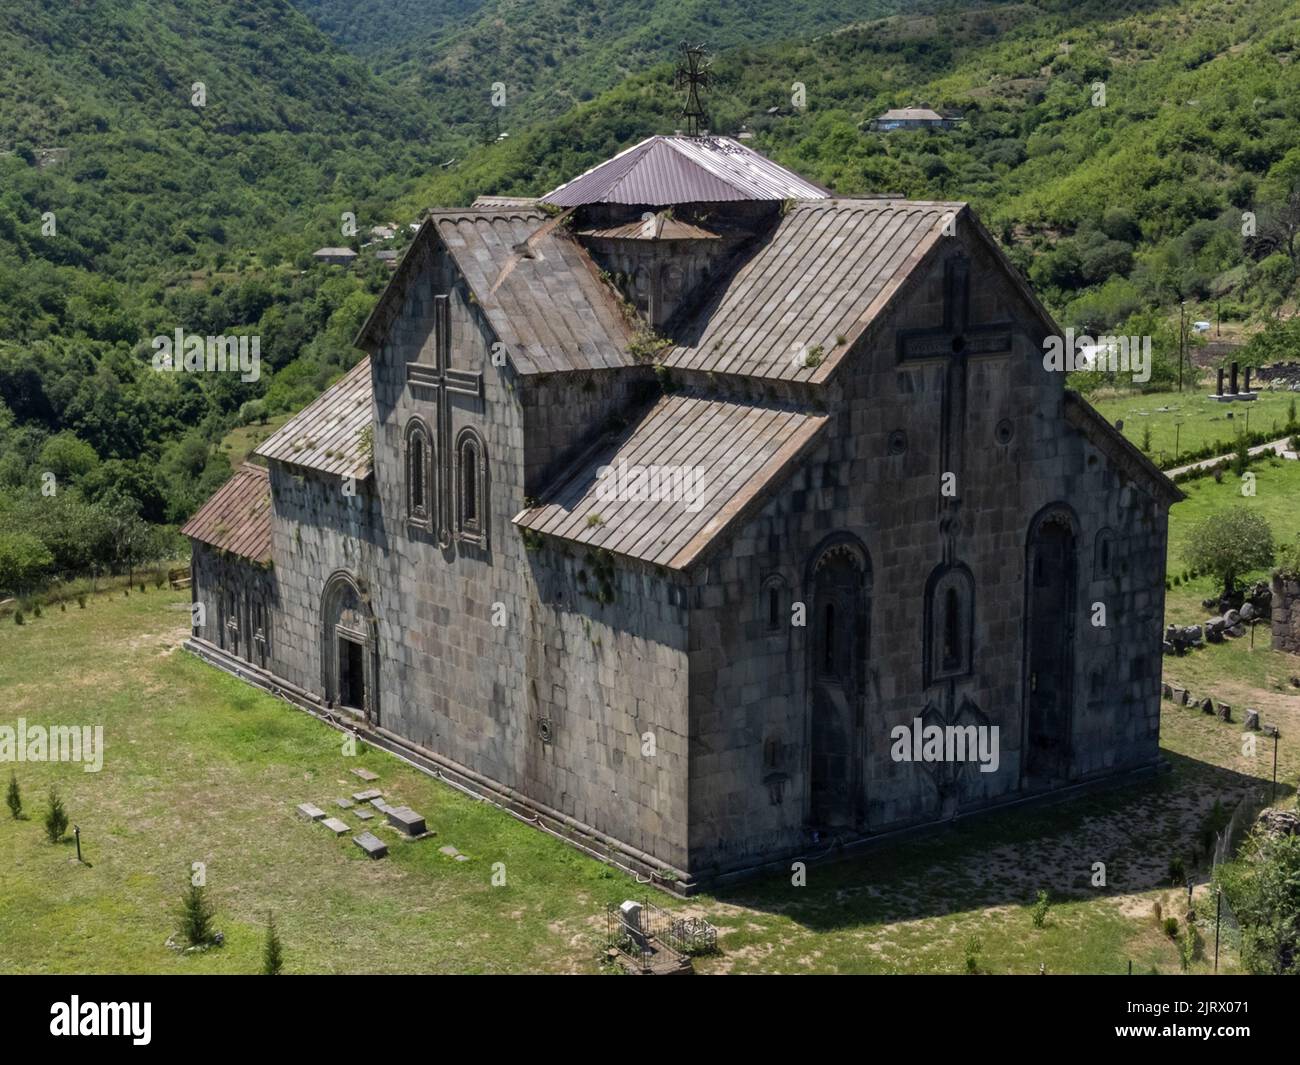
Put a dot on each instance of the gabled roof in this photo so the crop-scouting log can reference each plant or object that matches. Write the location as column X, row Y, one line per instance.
column 237, row 517
column 910, row 114
column 661, row 171
column 328, row 435
column 1123, row 453
column 796, row 306
column 658, row 226
column 538, row 288
column 734, row 453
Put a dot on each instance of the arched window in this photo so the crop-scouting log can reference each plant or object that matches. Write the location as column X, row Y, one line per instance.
column 1103, row 562
column 772, row 604
column 949, row 623
column 471, row 488
column 419, row 474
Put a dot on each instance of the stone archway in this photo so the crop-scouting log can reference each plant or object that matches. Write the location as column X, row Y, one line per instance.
column 839, row 611
column 349, row 647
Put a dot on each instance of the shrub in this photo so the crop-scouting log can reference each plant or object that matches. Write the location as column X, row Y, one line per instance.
column 56, row 818
column 14, row 797
column 973, row 948
column 1177, row 871
column 1171, row 927
column 272, row 958
column 18, row 616
column 196, row 914
column 1041, row 905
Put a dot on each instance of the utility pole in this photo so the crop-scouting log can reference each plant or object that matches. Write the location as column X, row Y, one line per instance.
column 1182, row 340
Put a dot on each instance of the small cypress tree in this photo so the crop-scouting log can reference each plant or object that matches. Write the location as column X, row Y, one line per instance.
column 13, row 797
column 196, row 913
column 272, row 957
column 56, row 819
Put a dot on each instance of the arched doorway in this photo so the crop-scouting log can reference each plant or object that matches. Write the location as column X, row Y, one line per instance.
column 1050, row 583
column 839, row 615
column 349, row 647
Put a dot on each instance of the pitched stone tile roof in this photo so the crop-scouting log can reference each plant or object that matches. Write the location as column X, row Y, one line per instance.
column 796, row 306
column 661, row 171
column 539, row 289
column 728, row 455
column 328, row 434
column 237, row 518
column 658, row 226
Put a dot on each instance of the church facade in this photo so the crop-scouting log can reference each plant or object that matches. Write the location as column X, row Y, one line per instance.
column 661, row 507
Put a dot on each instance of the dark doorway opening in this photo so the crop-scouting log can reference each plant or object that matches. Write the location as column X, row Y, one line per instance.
column 838, row 653
column 352, row 674
column 1049, row 657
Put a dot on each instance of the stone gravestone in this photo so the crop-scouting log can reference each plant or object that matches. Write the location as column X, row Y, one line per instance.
column 630, row 912
column 1225, row 712
column 406, row 821
column 1207, row 705
column 343, row 804
column 363, row 815
column 366, row 796
column 371, row 844
column 365, row 775
column 312, row 813
column 335, row 825
column 1252, row 719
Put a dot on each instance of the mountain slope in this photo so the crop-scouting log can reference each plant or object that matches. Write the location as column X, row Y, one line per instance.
column 553, row 54
column 1114, row 203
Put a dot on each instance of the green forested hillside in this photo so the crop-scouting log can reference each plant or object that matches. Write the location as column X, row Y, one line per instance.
column 366, row 27
column 126, row 211
column 1116, row 149
column 551, row 55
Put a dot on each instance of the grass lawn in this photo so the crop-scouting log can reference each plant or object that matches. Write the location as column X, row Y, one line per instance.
column 1192, row 418
column 1276, row 499
column 200, row 767
column 240, row 441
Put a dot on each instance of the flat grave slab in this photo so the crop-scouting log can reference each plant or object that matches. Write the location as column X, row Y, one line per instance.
column 310, row 811
column 448, row 850
column 365, row 775
column 343, row 804
column 367, row 795
column 362, row 815
column 380, row 805
column 335, row 825
column 371, row 844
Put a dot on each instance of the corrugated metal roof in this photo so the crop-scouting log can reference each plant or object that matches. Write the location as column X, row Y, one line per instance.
column 539, row 289
column 661, row 171
column 237, row 518
column 733, row 450
column 913, row 114
column 796, row 306
column 329, row 433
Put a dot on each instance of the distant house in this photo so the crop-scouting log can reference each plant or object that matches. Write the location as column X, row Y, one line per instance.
column 388, row 257
column 384, row 232
column 335, row 256
column 912, row 118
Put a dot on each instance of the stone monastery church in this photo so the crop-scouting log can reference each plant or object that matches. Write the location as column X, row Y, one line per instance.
column 662, row 502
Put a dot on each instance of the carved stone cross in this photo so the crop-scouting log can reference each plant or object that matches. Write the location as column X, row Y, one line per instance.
column 443, row 379
column 955, row 342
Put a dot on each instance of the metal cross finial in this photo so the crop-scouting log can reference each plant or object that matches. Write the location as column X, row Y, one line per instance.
column 693, row 74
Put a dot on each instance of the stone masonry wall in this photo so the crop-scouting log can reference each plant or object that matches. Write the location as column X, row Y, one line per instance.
column 1286, row 615
column 749, row 702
